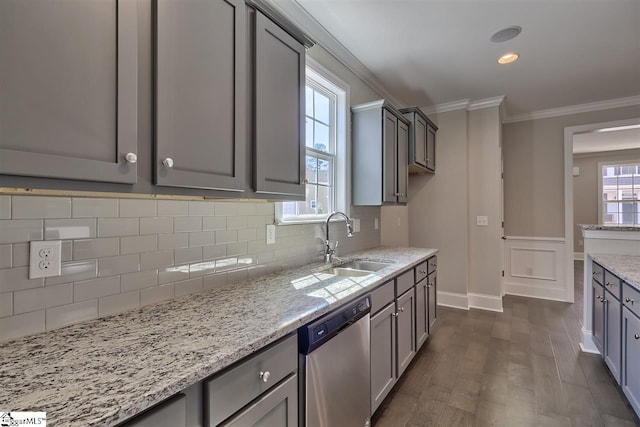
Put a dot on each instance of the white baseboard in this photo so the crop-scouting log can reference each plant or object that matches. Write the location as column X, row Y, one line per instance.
column 587, row 345
column 485, row 302
column 453, row 300
column 578, row 256
column 534, row 291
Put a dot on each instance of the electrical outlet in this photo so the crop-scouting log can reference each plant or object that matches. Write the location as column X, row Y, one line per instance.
column 45, row 258
column 271, row 234
column 482, row 220
column 356, row 225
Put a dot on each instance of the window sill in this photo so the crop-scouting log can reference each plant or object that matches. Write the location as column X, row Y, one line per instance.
column 307, row 221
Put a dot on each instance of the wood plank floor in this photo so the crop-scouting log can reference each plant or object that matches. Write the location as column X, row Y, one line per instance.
column 522, row 367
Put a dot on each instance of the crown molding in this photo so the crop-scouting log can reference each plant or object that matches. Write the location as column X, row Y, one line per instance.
column 485, row 103
column 575, row 109
column 295, row 13
column 447, row 106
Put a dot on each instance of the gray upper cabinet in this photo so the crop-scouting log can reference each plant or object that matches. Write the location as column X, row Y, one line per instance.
column 380, row 155
column 200, row 94
column 422, row 141
column 279, row 61
column 68, row 97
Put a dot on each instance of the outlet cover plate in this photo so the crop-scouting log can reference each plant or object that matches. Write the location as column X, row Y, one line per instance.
column 271, row 234
column 47, row 253
column 356, row 225
column 482, row 220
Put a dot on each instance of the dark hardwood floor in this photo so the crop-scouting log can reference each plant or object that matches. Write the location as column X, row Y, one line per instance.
column 522, row 367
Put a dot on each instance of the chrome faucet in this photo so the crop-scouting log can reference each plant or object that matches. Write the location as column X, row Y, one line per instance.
column 328, row 250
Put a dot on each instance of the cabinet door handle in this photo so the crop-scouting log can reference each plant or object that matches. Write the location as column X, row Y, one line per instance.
column 395, row 314
column 423, row 272
column 402, row 309
column 168, row 162
column 595, row 273
column 608, row 284
column 264, row 376
column 636, row 336
column 627, row 299
column 131, row 157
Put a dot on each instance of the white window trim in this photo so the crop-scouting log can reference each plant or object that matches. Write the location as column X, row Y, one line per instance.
column 600, row 165
column 342, row 185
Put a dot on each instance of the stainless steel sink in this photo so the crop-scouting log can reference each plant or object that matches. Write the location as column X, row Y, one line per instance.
column 347, row 272
column 365, row 265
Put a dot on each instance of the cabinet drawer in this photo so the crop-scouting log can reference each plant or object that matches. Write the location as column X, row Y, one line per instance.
column 421, row 271
column 432, row 264
column 381, row 297
column 612, row 283
column 631, row 298
column 597, row 272
column 230, row 391
column 404, row 282
column 171, row 413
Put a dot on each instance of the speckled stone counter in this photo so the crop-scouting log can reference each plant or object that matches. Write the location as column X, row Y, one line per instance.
column 104, row 371
column 610, row 227
column 626, row 267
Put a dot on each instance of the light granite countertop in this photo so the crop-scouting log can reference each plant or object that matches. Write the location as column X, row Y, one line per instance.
column 626, row 267
column 610, row 227
column 104, row 371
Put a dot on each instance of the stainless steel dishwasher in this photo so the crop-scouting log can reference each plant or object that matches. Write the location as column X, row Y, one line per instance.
column 335, row 367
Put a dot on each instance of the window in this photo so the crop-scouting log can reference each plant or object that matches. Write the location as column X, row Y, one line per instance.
column 619, row 193
column 326, row 150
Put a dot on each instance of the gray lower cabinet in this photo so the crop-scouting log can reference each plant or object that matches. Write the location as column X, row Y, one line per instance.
column 432, row 288
column 279, row 147
column 68, row 97
column 379, row 154
column 201, row 94
column 422, row 141
column 172, row 413
column 630, row 380
column 406, row 319
column 597, row 303
column 612, row 334
column 383, row 354
column 422, row 313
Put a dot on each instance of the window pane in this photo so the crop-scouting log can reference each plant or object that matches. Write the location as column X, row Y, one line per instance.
column 308, row 132
column 312, row 167
column 322, row 110
column 325, row 200
column 308, row 206
column 628, row 213
column 309, row 101
column 325, row 172
column 321, row 138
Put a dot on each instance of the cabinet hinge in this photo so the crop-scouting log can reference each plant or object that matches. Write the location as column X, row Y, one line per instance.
column 502, row 273
column 502, row 224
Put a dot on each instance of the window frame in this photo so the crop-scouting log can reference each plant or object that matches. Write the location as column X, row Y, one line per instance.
column 320, row 76
column 601, row 201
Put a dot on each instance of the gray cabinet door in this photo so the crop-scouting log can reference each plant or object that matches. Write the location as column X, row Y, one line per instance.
column 200, row 94
column 383, row 355
column 172, row 413
column 432, row 286
column 68, row 91
column 613, row 336
column 279, row 111
column 406, row 333
column 598, row 315
column 403, row 162
column 276, row 408
column 431, row 149
column 422, row 316
column 419, row 149
column 389, row 157
column 630, row 379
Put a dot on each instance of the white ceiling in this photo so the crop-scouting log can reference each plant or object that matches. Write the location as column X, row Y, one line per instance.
column 592, row 142
column 429, row 52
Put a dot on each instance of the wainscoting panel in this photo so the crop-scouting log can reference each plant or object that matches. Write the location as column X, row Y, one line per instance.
column 534, row 267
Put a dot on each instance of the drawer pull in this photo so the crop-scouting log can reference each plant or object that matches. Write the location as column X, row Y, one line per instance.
column 595, row 273
column 395, row 314
column 627, row 299
column 636, row 336
column 264, row 376
column 608, row 284
column 131, row 158
column 168, row 162
column 423, row 272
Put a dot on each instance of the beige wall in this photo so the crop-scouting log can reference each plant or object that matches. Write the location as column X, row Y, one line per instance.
column 585, row 188
column 485, row 246
column 534, row 170
column 395, row 226
column 438, row 203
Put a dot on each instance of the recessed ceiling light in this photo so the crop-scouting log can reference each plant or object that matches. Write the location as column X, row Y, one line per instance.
column 508, row 58
column 506, row 34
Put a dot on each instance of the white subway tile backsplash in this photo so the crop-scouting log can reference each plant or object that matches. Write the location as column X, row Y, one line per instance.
column 173, row 274
column 156, row 225
column 237, row 276
column 226, row 208
column 226, row 236
column 156, row 294
column 118, row 303
column 267, row 209
column 214, row 251
column 187, row 255
column 201, row 238
column 20, row 254
column 235, row 222
column 6, row 304
column 28, row 207
column 255, row 221
column 214, row 222
column 246, row 208
column 41, row 298
column 188, row 286
column 139, row 280
column 58, row 317
column 110, row 227
column 118, row 265
column 96, row 248
column 247, row 234
column 234, row 249
column 202, row 268
column 61, row 229
column 198, row 208
column 173, row 207
column 137, row 208
column 20, row 230
column 66, row 250
column 94, row 207
column 138, row 244
column 17, row 279
column 256, row 246
column 90, row 289
column 151, row 260
column 226, row 264
column 214, row 280
column 187, row 223
column 21, row 325
column 74, row 271
column 5, row 207
column 6, row 256
column 172, row 241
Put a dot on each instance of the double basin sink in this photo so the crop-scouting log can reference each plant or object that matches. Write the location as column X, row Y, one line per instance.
column 357, row 268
